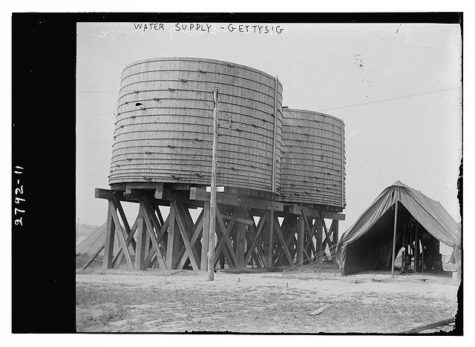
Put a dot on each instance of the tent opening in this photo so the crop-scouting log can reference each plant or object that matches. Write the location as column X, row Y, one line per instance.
column 416, row 249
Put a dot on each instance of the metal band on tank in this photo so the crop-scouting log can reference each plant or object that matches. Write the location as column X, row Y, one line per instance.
column 275, row 132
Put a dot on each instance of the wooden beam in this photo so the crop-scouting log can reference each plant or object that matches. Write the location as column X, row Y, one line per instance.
column 200, row 194
column 282, row 241
column 327, row 234
column 297, row 209
column 205, row 237
column 224, row 243
column 310, row 231
column 149, row 227
column 140, row 249
column 136, row 194
column 121, row 235
column 100, row 193
column 152, row 256
column 319, row 235
column 196, row 234
column 225, row 254
column 172, row 242
column 160, row 226
column 109, row 242
column 225, row 230
column 239, row 220
column 256, row 231
column 120, row 255
column 159, row 192
column 270, row 239
column 119, row 208
column 288, row 231
column 160, row 229
column 157, row 211
column 393, row 256
column 240, row 243
column 300, row 239
column 181, row 227
column 334, row 228
column 190, row 230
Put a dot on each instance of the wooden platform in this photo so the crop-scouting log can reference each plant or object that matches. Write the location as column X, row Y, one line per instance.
column 253, row 229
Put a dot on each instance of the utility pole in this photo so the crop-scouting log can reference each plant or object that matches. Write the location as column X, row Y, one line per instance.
column 394, row 240
column 212, row 204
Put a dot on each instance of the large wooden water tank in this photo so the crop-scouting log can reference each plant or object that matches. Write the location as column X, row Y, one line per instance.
column 163, row 131
column 313, row 159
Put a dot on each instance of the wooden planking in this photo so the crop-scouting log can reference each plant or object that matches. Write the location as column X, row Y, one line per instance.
column 166, row 103
column 312, row 169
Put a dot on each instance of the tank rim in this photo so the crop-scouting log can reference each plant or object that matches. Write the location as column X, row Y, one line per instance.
column 245, row 67
column 312, row 112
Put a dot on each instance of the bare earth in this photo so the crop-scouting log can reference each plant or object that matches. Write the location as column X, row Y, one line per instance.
column 273, row 302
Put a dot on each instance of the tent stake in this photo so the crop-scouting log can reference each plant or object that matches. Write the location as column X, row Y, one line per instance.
column 394, row 241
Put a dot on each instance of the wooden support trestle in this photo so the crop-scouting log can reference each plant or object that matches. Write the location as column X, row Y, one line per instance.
column 251, row 232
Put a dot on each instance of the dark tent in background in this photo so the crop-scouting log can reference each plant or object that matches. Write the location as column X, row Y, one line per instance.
column 422, row 223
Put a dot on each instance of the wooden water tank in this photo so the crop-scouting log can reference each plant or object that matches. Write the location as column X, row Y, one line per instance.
column 313, row 159
column 163, row 131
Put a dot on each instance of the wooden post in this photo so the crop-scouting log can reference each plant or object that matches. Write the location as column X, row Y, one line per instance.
column 394, row 241
column 300, row 239
column 416, row 250
column 335, row 223
column 240, row 244
column 141, row 241
column 403, row 258
column 212, row 220
column 109, row 242
column 319, row 236
column 205, row 238
column 270, row 239
column 171, row 240
column 147, row 247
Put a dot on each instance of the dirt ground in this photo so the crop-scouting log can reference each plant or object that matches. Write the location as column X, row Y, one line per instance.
column 265, row 302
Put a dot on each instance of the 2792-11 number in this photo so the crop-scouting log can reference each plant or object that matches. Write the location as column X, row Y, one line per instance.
column 18, row 200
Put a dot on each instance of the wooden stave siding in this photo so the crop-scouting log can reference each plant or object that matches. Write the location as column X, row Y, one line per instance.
column 182, row 106
column 306, row 176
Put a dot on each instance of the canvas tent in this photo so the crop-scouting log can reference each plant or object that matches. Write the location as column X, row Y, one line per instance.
column 93, row 243
column 368, row 243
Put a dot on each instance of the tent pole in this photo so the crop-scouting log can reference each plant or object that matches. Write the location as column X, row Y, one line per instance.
column 394, row 241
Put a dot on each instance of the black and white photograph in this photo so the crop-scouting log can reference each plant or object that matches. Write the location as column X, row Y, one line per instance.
column 268, row 177
column 237, row 173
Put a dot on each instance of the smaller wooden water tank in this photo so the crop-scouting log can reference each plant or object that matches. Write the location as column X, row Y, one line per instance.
column 313, row 159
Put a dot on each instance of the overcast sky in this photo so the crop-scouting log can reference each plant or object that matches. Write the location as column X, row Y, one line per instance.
column 396, row 87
